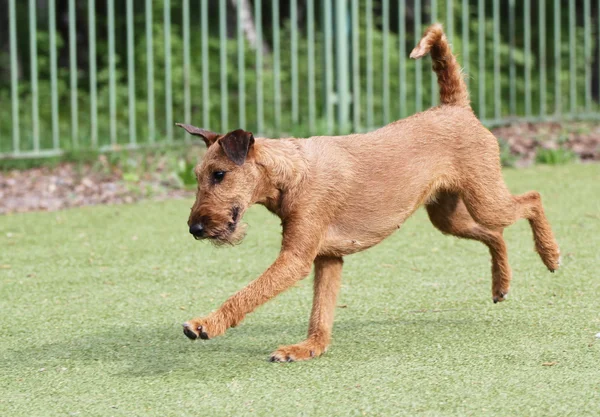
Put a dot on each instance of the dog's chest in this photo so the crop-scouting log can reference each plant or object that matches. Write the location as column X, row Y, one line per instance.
column 339, row 242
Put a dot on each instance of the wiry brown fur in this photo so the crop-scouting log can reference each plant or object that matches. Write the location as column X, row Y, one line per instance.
column 453, row 89
column 341, row 195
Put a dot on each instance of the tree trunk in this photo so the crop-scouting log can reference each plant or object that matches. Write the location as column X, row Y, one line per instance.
column 248, row 24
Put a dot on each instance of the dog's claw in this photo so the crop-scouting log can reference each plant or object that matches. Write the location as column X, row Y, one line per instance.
column 188, row 332
column 203, row 335
column 501, row 297
column 275, row 358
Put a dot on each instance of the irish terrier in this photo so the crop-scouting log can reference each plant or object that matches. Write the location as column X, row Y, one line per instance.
column 341, row 195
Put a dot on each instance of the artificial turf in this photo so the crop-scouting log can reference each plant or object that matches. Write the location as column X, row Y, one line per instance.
column 92, row 302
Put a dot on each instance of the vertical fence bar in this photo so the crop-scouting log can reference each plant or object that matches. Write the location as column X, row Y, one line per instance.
column 328, row 67
column 449, row 20
column 369, row 48
column 418, row 63
column 35, row 109
column 259, row 66
column 481, row 69
column 205, row 73
column 131, row 73
column 150, row 72
column 310, row 29
column 14, row 79
column 168, row 86
column 465, row 35
column 434, row 93
column 511, row 59
column 294, row 29
column 93, row 83
column 276, row 64
column 223, row 63
column 588, row 56
column 572, row 57
column 241, row 68
column 557, row 63
column 527, row 24
column 497, row 101
column 53, row 74
column 73, row 73
column 402, row 53
column 187, row 94
column 542, row 46
column 342, row 64
column 111, row 73
column 386, row 61
column 355, row 67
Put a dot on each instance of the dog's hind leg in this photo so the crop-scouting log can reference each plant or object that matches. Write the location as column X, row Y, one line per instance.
column 491, row 205
column 449, row 214
column 328, row 274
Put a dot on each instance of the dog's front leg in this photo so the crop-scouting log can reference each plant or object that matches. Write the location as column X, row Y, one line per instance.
column 328, row 276
column 285, row 271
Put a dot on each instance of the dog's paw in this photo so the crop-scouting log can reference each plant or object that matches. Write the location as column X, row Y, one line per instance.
column 499, row 295
column 498, row 298
column 300, row 352
column 203, row 328
column 555, row 261
column 550, row 255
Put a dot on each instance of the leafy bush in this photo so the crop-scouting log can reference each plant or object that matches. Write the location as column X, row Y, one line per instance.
column 554, row 156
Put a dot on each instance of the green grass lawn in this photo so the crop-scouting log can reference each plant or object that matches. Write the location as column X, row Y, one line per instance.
column 92, row 302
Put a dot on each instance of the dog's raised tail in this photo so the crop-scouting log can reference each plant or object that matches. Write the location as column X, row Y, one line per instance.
column 453, row 90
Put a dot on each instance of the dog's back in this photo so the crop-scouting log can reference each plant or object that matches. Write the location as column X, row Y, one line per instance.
column 388, row 173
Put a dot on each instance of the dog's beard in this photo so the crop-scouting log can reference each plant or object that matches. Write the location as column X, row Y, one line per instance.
column 230, row 237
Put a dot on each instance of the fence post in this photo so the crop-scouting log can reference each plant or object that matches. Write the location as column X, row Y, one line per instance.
column 73, row 74
column 14, row 79
column 312, row 113
column 355, row 28
column 341, row 35
column 223, row 64
column 35, row 112
column 93, row 81
column 386, row 60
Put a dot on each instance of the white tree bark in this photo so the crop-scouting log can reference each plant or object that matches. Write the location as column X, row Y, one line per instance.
column 248, row 24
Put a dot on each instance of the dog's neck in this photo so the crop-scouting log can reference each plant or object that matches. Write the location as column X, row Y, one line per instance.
column 284, row 167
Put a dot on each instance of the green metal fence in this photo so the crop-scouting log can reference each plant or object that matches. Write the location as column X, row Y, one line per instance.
column 117, row 75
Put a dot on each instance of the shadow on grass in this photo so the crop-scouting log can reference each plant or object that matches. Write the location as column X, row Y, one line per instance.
column 132, row 351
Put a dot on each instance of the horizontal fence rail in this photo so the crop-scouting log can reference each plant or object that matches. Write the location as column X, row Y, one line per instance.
column 109, row 75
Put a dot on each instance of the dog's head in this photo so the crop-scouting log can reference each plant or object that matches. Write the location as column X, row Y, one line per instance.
column 227, row 178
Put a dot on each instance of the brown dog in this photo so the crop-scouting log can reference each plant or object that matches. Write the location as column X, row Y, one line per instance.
column 341, row 195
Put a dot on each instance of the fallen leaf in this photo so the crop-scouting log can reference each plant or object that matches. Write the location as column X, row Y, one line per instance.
column 549, row 363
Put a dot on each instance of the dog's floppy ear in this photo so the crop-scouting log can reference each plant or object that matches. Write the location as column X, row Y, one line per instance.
column 206, row 135
column 236, row 145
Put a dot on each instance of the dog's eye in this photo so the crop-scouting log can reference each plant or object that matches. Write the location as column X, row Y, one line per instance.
column 218, row 176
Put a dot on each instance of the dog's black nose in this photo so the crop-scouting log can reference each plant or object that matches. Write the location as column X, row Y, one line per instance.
column 197, row 230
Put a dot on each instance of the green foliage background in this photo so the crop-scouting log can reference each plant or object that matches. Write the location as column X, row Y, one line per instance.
column 286, row 126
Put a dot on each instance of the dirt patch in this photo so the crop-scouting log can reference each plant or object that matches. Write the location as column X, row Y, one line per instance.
column 75, row 185
column 525, row 139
